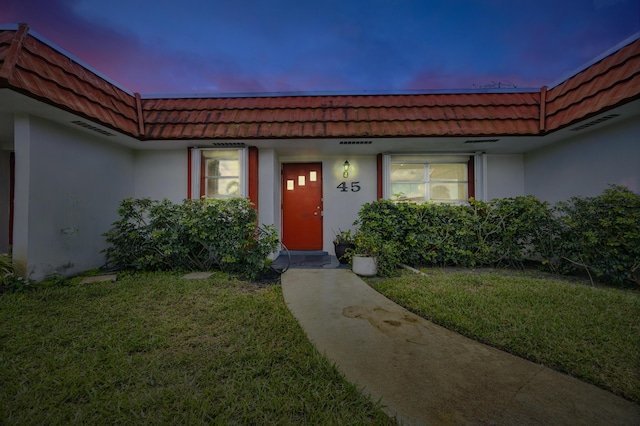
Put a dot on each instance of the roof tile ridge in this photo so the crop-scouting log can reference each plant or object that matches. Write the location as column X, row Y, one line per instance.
column 14, row 50
column 543, row 109
column 150, row 105
column 140, row 116
column 367, row 120
column 333, row 101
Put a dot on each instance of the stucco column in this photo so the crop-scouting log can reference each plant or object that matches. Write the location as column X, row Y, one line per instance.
column 22, row 150
column 5, row 199
column 268, row 188
column 480, row 165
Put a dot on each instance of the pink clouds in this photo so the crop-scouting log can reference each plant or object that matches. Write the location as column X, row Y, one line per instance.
column 122, row 57
column 104, row 49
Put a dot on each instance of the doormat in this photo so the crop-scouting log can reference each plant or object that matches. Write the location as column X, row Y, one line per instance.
column 298, row 261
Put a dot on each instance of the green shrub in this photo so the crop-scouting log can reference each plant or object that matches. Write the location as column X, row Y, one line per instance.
column 440, row 234
column 418, row 230
column 481, row 233
column 510, row 230
column 198, row 234
column 129, row 236
column 602, row 235
column 382, row 226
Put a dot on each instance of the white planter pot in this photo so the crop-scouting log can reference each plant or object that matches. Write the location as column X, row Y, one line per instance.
column 365, row 266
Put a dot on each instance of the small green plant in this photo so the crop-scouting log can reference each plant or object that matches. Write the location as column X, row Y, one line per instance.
column 343, row 237
column 17, row 284
column 54, row 280
column 367, row 244
column 6, row 267
column 10, row 279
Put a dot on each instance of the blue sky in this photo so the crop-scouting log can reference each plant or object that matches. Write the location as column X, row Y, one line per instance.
column 240, row 46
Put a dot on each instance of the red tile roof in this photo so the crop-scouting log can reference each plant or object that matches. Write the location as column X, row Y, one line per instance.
column 32, row 67
column 43, row 73
column 342, row 116
column 608, row 83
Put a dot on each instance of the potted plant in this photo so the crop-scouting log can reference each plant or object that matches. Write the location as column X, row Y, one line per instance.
column 373, row 255
column 365, row 255
column 343, row 242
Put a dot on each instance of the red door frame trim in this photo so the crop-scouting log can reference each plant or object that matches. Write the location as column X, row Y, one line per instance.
column 471, row 177
column 203, row 180
column 253, row 176
column 189, row 173
column 379, row 175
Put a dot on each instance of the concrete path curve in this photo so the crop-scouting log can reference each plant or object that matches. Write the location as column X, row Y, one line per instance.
column 427, row 375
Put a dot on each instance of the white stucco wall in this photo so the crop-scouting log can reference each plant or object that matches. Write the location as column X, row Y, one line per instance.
column 341, row 208
column 5, row 200
column 584, row 164
column 505, row 175
column 68, row 187
column 161, row 174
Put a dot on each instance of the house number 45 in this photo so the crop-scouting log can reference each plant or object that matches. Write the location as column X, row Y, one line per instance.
column 355, row 187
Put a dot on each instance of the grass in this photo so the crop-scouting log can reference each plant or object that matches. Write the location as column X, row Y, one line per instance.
column 6, row 267
column 158, row 349
column 592, row 333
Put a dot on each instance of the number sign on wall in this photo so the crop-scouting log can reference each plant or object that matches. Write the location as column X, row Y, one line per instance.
column 343, row 187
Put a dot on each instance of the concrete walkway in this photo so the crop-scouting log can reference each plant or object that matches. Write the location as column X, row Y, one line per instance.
column 426, row 374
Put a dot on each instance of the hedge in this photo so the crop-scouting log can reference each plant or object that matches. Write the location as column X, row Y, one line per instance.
column 200, row 234
column 598, row 234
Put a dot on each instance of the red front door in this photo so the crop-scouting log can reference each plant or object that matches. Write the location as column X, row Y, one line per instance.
column 302, row 206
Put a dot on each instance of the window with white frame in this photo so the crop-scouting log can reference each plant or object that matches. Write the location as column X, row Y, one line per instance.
column 219, row 173
column 419, row 178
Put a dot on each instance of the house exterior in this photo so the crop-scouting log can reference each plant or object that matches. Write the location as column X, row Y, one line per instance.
column 73, row 145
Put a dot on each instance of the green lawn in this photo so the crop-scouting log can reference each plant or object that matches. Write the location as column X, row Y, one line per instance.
column 592, row 333
column 158, row 349
column 155, row 348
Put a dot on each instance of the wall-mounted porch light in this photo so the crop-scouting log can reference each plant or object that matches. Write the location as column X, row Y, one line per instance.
column 345, row 167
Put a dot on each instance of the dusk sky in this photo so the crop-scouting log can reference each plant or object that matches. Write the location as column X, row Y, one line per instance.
column 352, row 46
